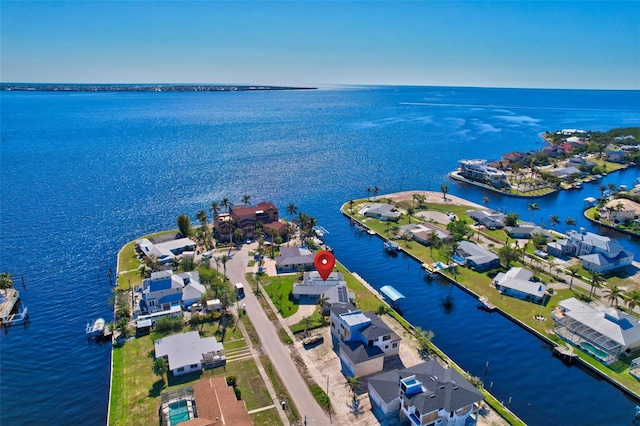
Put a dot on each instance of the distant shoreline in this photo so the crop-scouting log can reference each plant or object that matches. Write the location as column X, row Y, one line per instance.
column 62, row 87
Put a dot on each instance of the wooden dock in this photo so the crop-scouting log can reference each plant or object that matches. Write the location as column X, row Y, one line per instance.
column 486, row 304
column 565, row 352
column 9, row 309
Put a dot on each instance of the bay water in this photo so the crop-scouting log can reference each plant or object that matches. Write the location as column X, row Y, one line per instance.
column 84, row 173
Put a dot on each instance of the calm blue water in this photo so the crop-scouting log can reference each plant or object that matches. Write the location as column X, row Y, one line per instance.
column 81, row 174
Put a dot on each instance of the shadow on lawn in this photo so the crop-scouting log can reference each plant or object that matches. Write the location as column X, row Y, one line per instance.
column 157, row 388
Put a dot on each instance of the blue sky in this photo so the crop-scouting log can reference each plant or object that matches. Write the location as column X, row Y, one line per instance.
column 495, row 44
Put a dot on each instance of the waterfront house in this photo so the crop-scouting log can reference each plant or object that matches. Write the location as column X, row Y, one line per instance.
column 580, row 163
column 480, row 171
column 477, row 257
column 421, row 232
column 165, row 251
column 597, row 252
column 361, row 339
column 382, row 212
column 293, row 258
column 187, row 352
column 553, row 151
column 488, row 218
column 334, row 289
column 603, row 332
column 165, row 289
column 620, row 210
column 425, row 394
column 526, row 230
column 566, row 173
column 244, row 217
column 517, row 282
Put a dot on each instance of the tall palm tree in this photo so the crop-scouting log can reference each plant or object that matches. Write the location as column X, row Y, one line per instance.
column 224, row 259
column 354, row 384
column 291, row 210
column 368, row 192
column 376, row 189
column 532, row 208
column 225, row 204
column 246, row 198
column 573, row 270
column 633, row 299
column 214, row 209
column 307, row 322
column 612, row 187
column 613, row 294
column 444, row 188
column 351, row 202
column 410, row 212
column 202, row 218
column 569, row 221
column 602, row 188
column 433, row 241
column 554, row 220
column 596, row 281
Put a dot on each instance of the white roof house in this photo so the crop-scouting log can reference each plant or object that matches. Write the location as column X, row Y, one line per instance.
column 516, row 282
column 488, row 218
column 167, row 250
column 381, row 211
column 603, row 332
column 188, row 352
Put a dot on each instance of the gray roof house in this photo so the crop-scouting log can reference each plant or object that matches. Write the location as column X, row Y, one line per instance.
column 425, row 394
column 165, row 289
column 526, row 230
column 603, row 332
column 382, row 211
column 313, row 286
column 488, row 218
column 187, row 352
column 420, row 232
column 516, row 282
column 597, row 252
column 361, row 339
column 292, row 258
column 566, row 172
column 478, row 257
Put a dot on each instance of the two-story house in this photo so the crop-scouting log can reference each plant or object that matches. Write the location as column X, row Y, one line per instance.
column 165, row 289
column 361, row 339
column 425, row 394
column 242, row 216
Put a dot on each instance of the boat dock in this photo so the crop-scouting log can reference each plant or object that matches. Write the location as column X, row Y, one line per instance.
column 10, row 314
column 565, row 352
column 486, row 304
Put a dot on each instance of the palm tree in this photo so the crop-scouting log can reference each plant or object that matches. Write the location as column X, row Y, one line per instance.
column 633, row 300
column 6, row 281
column 224, row 259
column 160, row 368
column 410, row 213
column 612, row 187
column 307, row 322
column 375, row 191
column 225, row 204
column 291, row 210
column 532, row 208
column 202, row 218
column 433, row 241
column 444, row 188
column 353, row 383
column 351, row 206
column 368, row 192
column 573, row 270
column 554, row 220
column 569, row 221
column 214, row 208
column 602, row 188
column 596, row 281
column 246, row 198
column 613, row 294
column 322, row 302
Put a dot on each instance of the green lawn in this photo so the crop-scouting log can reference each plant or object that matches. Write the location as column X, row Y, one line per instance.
column 135, row 395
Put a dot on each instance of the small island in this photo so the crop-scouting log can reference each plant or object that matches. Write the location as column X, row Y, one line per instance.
column 571, row 157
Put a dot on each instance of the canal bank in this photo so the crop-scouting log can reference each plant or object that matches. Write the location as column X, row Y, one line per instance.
column 548, row 343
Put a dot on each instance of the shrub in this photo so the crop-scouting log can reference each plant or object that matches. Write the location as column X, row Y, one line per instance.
column 321, row 396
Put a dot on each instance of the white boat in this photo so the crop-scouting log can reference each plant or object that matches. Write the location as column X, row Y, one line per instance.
column 371, row 232
column 95, row 328
column 391, row 246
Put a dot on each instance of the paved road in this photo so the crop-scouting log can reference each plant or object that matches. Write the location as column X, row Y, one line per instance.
column 278, row 352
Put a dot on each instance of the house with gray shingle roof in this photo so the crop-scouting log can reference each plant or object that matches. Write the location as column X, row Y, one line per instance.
column 362, row 340
column 517, row 282
column 597, row 252
column 187, row 352
column 382, row 212
column 477, row 257
column 425, row 394
column 293, row 258
column 603, row 332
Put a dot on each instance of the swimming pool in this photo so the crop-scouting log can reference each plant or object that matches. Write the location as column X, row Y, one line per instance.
column 598, row 353
column 178, row 412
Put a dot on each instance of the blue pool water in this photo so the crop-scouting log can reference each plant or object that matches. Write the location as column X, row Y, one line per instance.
column 178, row 412
column 81, row 174
column 598, row 353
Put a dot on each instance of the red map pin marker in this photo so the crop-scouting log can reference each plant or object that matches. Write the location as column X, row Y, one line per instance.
column 324, row 262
